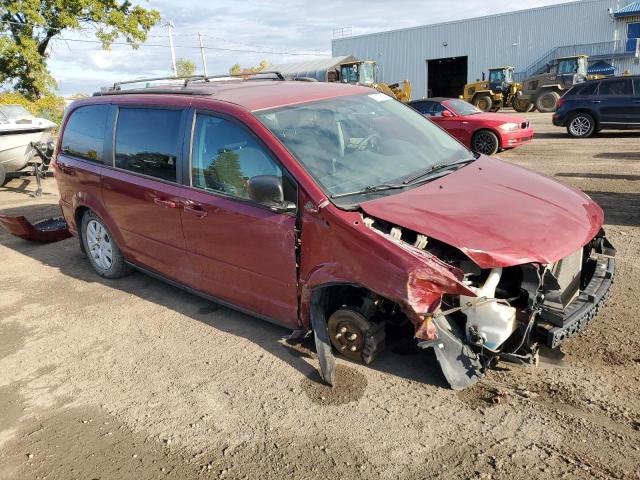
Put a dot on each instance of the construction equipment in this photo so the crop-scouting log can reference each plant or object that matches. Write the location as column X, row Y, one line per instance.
column 347, row 69
column 499, row 91
column 544, row 89
column 364, row 72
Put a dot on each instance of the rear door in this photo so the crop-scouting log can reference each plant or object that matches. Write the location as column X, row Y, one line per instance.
column 142, row 190
column 615, row 97
column 79, row 163
column 243, row 251
column 635, row 103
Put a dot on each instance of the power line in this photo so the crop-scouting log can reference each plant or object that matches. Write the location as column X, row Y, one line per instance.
column 252, row 49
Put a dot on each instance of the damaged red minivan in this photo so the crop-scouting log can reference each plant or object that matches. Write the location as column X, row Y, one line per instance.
column 334, row 210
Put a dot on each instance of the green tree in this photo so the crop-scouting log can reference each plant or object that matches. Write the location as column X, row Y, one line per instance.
column 185, row 68
column 28, row 26
column 238, row 70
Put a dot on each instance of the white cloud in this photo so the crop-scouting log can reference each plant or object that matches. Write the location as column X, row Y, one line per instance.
column 275, row 26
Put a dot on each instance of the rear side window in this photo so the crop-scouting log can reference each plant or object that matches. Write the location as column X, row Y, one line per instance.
column 621, row 86
column 636, row 86
column 225, row 157
column 147, row 141
column 589, row 89
column 85, row 131
column 420, row 107
column 586, row 89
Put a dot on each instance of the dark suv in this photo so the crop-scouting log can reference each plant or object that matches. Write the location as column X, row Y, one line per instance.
column 611, row 103
column 334, row 210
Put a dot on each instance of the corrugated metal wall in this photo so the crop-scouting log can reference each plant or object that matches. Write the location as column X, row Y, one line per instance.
column 486, row 41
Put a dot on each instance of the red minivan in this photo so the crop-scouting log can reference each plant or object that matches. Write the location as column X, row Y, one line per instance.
column 334, row 210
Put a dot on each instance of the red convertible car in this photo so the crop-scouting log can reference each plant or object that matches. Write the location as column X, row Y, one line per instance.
column 482, row 132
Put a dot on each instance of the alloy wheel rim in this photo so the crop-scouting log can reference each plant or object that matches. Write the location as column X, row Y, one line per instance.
column 483, row 143
column 580, row 126
column 99, row 245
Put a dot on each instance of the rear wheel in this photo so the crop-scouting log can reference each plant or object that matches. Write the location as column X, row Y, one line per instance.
column 483, row 102
column 103, row 253
column 485, row 142
column 3, row 176
column 581, row 125
column 547, row 101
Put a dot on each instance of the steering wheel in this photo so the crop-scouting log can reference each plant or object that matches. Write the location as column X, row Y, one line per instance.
column 369, row 140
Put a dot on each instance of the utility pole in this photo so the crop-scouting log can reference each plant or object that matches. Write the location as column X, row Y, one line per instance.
column 204, row 60
column 173, row 52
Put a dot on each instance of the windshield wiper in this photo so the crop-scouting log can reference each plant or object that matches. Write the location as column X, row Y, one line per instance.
column 370, row 189
column 436, row 168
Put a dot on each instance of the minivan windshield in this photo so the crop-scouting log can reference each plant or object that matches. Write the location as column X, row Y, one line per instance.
column 363, row 143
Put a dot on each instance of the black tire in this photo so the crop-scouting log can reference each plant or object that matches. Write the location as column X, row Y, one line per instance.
column 483, row 102
column 522, row 106
column 116, row 267
column 485, row 142
column 3, row 176
column 547, row 101
column 347, row 330
column 581, row 125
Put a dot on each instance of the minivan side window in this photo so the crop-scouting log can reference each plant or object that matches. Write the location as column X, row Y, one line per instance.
column 85, row 131
column 621, row 86
column 147, row 141
column 225, row 157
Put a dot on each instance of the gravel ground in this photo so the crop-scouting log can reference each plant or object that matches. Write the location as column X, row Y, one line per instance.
column 136, row 379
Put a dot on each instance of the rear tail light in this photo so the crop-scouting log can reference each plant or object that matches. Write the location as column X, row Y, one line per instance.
column 561, row 102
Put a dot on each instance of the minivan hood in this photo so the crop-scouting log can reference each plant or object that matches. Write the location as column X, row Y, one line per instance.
column 498, row 214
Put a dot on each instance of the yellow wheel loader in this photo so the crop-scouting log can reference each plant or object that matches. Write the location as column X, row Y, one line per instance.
column 497, row 92
column 363, row 72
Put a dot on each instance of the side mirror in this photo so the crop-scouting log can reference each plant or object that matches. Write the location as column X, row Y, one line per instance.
column 447, row 113
column 267, row 190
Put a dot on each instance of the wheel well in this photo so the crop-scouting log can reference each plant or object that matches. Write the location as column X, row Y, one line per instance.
column 77, row 216
column 585, row 110
column 486, row 129
column 333, row 297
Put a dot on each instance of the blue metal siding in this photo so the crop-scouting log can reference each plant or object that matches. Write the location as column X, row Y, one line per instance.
column 486, row 41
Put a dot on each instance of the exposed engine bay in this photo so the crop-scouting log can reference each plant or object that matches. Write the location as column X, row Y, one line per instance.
column 515, row 309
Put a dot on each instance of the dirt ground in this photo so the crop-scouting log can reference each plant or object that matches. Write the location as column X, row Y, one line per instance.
column 136, row 379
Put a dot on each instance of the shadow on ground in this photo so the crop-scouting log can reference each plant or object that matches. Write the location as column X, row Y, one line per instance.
column 619, row 208
column 66, row 256
column 562, row 133
column 604, row 176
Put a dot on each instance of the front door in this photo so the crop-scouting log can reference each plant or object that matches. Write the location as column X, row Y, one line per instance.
column 243, row 251
column 143, row 193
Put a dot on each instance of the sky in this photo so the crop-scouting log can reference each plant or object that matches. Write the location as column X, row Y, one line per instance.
column 247, row 32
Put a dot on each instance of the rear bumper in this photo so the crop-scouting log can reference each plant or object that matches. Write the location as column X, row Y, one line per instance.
column 558, row 120
column 516, row 138
column 583, row 309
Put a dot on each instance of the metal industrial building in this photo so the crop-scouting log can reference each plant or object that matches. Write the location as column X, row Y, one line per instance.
column 439, row 59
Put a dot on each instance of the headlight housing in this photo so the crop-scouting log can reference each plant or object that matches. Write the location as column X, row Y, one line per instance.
column 509, row 126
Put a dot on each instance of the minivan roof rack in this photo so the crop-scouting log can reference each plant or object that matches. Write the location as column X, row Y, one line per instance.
column 191, row 78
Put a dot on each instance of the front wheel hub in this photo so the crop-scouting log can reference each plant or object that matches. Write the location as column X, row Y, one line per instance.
column 347, row 331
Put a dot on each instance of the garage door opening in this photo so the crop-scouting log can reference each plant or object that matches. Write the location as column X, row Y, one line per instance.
column 446, row 76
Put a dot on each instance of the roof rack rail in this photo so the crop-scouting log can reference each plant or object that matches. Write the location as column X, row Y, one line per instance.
column 116, row 86
column 242, row 76
column 187, row 79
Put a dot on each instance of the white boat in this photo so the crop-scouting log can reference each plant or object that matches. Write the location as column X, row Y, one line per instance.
column 18, row 128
